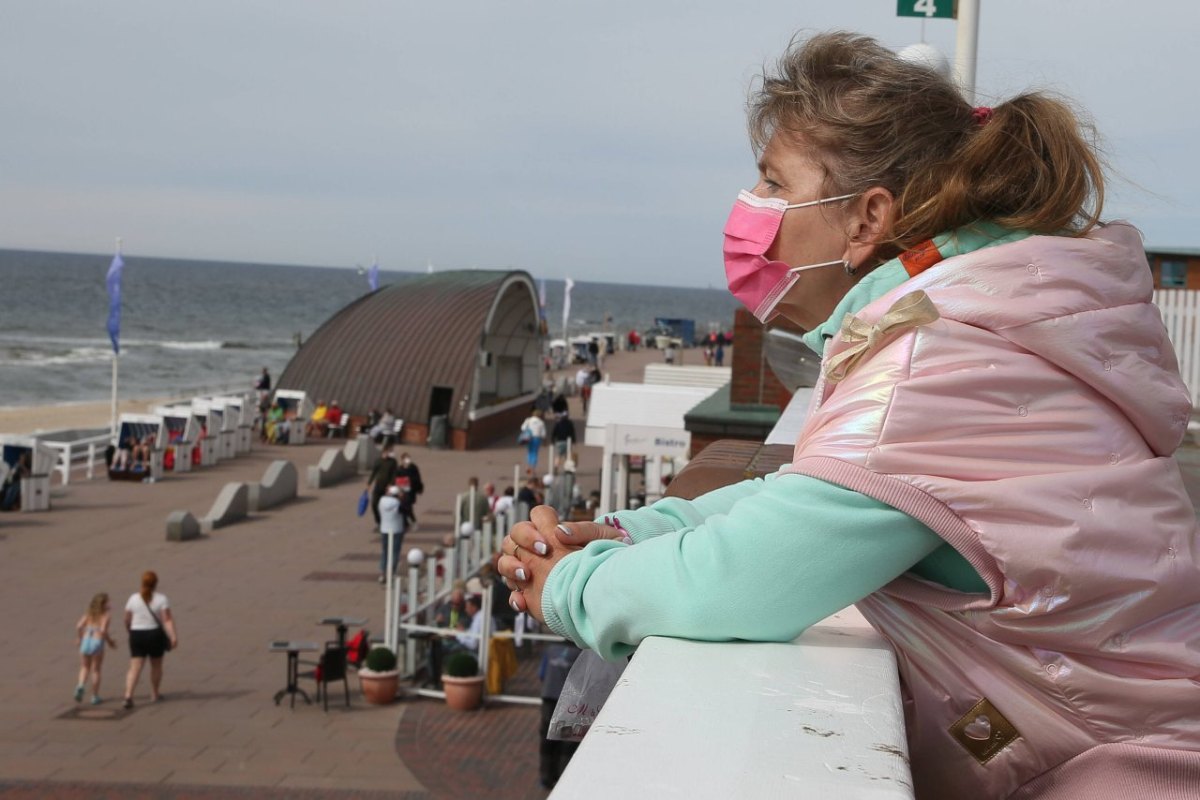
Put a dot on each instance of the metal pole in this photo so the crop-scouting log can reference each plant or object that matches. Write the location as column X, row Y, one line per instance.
column 389, row 622
column 965, row 46
column 113, row 426
column 410, row 655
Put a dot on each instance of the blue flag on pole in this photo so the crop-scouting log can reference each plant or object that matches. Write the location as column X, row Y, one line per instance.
column 114, row 300
column 373, row 276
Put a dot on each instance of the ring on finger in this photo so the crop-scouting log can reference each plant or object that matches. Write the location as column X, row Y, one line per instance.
column 516, row 553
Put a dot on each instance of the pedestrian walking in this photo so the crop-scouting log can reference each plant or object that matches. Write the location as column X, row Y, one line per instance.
column 152, row 633
column 92, row 634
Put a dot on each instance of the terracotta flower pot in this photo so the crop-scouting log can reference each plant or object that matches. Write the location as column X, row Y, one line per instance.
column 379, row 688
column 463, row 694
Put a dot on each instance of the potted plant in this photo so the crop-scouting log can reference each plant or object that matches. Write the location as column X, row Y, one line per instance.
column 379, row 678
column 462, row 682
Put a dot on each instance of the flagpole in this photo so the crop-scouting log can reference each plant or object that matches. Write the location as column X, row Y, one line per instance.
column 113, row 425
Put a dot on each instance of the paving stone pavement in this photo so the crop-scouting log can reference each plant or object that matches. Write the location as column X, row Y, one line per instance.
column 217, row 734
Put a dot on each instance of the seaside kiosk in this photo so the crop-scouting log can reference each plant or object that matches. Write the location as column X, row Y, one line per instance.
column 297, row 408
column 182, row 431
column 138, row 427
column 35, row 488
column 212, row 420
column 240, row 410
column 639, row 425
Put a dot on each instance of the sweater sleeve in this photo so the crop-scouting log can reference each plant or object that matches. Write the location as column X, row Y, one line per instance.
column 676, row 514
column 777, row 560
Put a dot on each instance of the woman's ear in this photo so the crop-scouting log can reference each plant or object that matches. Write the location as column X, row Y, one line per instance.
column 868, row 222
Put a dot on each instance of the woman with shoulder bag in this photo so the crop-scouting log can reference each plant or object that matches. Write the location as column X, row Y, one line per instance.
column 151, row 633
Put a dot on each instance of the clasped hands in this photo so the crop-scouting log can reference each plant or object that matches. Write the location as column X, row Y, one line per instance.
column 532, row 549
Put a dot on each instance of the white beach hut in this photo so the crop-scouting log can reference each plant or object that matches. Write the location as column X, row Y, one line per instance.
column 297, row 408
column 212, row 421
column 35, row 488
column 240, row 409
column 138, row 427
column 183, row 432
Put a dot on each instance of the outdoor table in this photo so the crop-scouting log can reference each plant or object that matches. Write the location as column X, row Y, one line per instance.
column 293, row 650
column 343, row 625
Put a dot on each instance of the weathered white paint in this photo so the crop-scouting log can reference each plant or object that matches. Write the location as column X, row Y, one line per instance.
column 820, row 717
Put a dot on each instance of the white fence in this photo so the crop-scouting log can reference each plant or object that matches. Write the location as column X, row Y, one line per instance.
column 1181, row 315
column 429, row 582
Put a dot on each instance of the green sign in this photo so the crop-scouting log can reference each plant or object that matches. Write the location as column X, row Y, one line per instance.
column 926, row 8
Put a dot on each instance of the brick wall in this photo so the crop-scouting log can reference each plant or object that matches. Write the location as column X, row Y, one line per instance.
column 753, row 381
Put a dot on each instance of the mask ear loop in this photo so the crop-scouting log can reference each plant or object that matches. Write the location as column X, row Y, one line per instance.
column 846, row 266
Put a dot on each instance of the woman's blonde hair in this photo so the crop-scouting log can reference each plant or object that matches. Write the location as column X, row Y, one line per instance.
column 149, row 584
column 877, row 120
column 96, row 607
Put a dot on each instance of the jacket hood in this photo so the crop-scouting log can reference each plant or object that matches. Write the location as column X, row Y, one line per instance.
column 1082, row 304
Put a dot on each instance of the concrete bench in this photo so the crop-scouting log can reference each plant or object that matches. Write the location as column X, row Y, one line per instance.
column 279, row 484
column 231, row 505
column 182, row 526
column 341, row 463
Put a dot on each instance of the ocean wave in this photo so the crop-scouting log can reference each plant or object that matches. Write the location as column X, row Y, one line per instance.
column 75, row 355
column 170, row 344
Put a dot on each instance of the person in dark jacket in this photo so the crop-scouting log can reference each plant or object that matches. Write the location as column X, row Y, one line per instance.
column 410, row 472
column 562, row 433
column 382, row 477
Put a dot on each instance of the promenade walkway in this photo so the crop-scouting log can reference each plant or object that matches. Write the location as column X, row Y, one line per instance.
column 217, row 733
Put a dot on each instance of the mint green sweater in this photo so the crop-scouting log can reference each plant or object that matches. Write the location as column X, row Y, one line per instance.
column 759, row 560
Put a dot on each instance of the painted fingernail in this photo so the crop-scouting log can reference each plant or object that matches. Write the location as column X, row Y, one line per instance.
column 513, row 605
column 566, row 531
column 521, row 574
column 540, row 548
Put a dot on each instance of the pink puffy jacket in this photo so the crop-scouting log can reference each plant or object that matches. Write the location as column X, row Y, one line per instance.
column 1032, row 427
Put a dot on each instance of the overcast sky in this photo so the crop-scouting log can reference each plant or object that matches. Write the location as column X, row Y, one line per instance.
column 600, row 141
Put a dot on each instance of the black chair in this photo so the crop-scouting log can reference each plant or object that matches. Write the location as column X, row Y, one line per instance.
column 331, row 668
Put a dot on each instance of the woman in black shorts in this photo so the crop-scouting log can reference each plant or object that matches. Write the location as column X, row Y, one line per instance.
column 151, row 633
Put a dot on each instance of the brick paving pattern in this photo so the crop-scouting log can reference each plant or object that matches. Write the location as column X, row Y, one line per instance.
column 218, row 734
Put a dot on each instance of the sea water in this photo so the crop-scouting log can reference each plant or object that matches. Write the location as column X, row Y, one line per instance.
column 189, row 327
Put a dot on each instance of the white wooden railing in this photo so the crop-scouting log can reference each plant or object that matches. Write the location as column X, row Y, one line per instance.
column 1180, row 310
column 820, row 717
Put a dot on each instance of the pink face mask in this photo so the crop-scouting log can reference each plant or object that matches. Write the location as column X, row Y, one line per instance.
column 755, row 280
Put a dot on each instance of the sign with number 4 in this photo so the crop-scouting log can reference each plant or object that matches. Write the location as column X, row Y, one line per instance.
column 926, row 8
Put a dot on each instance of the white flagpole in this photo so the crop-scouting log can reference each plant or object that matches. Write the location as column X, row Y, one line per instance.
column 114, row 379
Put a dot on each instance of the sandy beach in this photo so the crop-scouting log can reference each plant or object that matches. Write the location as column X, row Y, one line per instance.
column 32, row 419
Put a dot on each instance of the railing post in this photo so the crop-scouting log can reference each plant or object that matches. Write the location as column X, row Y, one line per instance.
column 485, row 637
column 488, row 540
column 450, row 563
column 410, row 656
column 65, row 455
column 430, row 585
column 91, row 460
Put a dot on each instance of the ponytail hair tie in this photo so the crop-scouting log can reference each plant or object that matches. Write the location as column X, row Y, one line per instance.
column 981, row 114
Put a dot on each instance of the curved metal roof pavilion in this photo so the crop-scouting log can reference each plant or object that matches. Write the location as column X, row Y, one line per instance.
column 463, row 343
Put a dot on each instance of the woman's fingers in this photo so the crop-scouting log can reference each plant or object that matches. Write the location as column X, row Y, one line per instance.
column 529, row 537
column 516, row 600
column 578, row 534
column 514, row 571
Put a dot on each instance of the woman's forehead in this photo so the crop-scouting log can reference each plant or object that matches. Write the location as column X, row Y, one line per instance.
column 788, row 153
